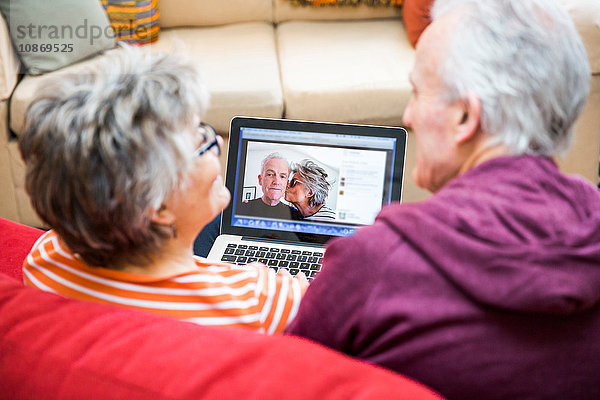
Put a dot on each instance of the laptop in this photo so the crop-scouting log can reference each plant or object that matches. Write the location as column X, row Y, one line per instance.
column 364, row 166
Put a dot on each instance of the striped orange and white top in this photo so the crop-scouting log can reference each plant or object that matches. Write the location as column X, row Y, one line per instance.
column 216, row 294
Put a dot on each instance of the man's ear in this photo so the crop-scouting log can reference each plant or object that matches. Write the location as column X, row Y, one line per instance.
column 470, row 120
column 260, row 179
column 162, row 216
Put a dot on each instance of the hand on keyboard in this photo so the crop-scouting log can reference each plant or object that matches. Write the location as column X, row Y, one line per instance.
column 277, row 258
column 302, row 280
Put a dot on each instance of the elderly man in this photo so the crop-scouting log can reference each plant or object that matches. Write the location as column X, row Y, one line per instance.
column 490, row 289
column 307, row 191
column 273, row 178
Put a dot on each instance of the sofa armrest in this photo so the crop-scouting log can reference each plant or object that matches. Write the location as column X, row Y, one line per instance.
column 9, row 63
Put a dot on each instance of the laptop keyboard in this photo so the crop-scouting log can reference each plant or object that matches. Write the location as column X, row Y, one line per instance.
column 294, row 261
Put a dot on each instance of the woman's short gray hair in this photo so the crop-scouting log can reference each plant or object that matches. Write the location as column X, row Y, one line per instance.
column 105, row 146
column 526, row 63
column 315, row 179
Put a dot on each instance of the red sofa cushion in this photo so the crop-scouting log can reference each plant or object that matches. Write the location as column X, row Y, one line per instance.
column 57, row 348
column 15, row 242
column 54, row 347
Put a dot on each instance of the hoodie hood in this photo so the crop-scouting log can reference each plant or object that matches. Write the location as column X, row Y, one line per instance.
column 513, row 233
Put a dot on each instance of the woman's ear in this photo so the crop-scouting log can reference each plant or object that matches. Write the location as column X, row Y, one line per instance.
column 162, row 216
column 470, row 120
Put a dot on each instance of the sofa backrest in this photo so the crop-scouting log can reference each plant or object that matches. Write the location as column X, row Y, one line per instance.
column 174, row 13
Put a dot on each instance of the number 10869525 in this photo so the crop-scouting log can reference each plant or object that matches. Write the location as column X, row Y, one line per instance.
column 46, row 48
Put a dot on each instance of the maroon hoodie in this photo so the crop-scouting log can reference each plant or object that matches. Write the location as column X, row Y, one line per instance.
column 490, row 289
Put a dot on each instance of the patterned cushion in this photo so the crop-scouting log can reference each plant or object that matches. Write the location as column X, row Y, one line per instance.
column 49, row 35
column 416, row 18
column 370, row 3
column 134, row 21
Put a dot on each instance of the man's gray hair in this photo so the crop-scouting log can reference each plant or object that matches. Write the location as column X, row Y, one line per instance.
column 105, row 146
column 314, row 178
column 526, row 63
column 271, row 157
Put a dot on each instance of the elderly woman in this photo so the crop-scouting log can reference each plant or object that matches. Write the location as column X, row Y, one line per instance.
column 307, row 191
column 125, row 172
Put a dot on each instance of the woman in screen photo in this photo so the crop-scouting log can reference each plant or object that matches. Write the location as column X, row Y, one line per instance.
column 308, row 190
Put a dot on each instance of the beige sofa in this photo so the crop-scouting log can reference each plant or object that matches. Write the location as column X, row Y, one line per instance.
column 268, row 58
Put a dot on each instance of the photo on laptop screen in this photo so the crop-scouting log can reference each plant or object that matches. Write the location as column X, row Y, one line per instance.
column 351, row 172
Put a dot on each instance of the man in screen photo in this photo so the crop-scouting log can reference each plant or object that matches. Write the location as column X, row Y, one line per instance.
column 273, row 180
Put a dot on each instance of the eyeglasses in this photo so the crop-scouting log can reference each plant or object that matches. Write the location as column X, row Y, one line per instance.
column 294, row 182
column 211, row 141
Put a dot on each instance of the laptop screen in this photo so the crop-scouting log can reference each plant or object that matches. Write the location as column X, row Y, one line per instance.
column 309, row 181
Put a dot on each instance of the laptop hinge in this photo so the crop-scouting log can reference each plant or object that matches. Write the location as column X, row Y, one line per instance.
column 268, row 240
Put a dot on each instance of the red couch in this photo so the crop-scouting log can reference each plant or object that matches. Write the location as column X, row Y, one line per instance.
column 52, row 347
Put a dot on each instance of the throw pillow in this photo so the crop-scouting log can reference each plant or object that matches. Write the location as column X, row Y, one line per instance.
column 415, row 14
column 369, row 3
column 135, row 21
column 49, row 35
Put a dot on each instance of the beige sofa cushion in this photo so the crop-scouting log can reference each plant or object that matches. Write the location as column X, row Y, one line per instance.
column 27, row 215
column 30, row 85
column 175, row 13
column 238, row 63
column 347, row 71
column 9, row 63
column 285, row 11
column 586, row 15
